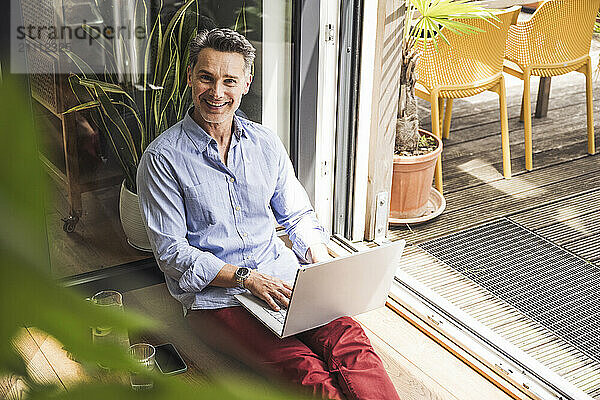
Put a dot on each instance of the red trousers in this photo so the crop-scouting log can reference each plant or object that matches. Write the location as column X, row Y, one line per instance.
column 335, row 361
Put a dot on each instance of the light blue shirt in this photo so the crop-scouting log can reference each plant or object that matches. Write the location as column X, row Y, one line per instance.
column 201, row 214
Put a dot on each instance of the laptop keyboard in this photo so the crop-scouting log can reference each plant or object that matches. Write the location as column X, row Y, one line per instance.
column 278, row 315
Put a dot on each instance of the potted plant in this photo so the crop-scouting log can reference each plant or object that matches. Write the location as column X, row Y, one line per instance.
column 416, row 151
column 133, row 114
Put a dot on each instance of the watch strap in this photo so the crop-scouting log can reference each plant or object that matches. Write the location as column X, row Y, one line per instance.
column 240, row 281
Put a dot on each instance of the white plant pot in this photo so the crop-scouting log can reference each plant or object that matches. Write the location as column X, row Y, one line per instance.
column 131, row 220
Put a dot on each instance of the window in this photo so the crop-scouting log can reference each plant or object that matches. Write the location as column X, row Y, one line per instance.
column 82, row 153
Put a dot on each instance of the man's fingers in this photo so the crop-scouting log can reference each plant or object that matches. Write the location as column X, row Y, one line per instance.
column 267, row 297
column 286, row 292
column 283, row 293
column 276, row 297
column 272, row 291
column 282, row 299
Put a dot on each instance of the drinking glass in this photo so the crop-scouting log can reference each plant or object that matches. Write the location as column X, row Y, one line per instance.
column 143, row 353
column 106, row 334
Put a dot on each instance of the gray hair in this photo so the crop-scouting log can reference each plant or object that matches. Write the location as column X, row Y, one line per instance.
column 225, row 40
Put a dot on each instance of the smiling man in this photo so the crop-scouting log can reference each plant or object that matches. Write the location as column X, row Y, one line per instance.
column 212, row 188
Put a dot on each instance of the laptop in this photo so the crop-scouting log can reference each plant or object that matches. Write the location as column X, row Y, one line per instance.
column 322, row 292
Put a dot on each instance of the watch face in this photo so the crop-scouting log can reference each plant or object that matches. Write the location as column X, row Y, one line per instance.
column 242, row 272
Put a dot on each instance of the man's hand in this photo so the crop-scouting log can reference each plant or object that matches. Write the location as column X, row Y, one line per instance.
column 270, row 289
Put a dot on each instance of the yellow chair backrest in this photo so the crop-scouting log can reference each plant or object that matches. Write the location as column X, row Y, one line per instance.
column 559, row 31
column 469, row 58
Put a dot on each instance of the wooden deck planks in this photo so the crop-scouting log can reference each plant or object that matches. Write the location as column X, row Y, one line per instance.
column 544, row 217
column 466, row 172
column 587, row 248
column 464, row 157
column 483, row 203
column 525, row 185
column 484, row 136
column 573, row 223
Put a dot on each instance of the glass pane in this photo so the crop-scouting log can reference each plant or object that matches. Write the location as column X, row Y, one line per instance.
column 272, row 82
column 95, row 53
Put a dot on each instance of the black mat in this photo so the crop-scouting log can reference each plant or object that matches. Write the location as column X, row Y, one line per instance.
column 548, row 284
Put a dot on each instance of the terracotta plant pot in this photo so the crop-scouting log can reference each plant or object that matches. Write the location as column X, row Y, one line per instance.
column 411, row 183
column 131, row 220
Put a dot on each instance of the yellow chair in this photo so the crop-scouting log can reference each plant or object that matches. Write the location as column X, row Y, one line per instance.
column 469, row 65
column 554, row 41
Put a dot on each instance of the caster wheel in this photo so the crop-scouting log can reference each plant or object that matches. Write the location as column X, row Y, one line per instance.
column 70, row 223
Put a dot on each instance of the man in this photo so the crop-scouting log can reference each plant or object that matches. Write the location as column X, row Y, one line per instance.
column 212, row 188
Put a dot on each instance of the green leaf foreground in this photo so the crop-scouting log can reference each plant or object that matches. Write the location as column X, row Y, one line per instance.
column 30, row 297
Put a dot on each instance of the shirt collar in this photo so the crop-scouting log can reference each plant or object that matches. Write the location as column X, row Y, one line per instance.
column 200, row 138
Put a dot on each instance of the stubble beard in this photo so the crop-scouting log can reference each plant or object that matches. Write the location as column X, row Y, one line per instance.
column 215, row 118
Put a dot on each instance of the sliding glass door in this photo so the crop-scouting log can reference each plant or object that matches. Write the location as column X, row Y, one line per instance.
column 82, row 154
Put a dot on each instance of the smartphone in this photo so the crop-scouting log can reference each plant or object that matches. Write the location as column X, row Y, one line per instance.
column 168, row 360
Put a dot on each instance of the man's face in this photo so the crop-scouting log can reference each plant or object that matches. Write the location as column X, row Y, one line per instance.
column 218, row 82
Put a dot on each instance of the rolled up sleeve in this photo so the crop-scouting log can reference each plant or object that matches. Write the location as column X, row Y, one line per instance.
column 292, row 209
column 163, row 212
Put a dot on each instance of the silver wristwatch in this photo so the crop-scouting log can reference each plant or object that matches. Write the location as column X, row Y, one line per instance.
column 241, row 275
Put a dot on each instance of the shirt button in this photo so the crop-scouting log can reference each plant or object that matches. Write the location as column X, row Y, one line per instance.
column 244, row 234
column 237, row 208
column 232, row 180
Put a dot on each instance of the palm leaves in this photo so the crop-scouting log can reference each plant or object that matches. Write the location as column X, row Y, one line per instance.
column 427, row 18
column 133, row 115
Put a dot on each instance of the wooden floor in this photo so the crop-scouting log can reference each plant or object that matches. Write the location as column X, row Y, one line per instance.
column 98, row 241
column 419, row 367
